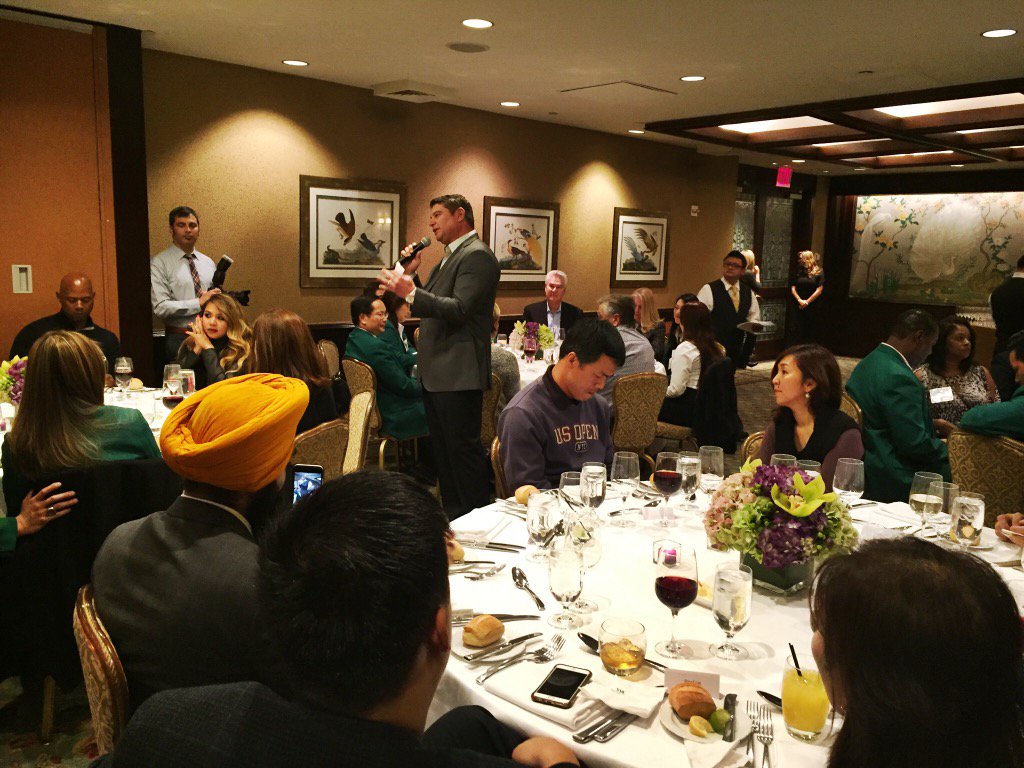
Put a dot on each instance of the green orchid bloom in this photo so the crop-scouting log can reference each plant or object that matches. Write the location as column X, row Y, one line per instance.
column 808, row 496
column 749, row 466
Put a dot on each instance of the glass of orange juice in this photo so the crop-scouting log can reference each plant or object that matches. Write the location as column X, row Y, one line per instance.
column 804, row 701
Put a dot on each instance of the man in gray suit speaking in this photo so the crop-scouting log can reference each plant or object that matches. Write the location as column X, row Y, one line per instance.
column 455, row 307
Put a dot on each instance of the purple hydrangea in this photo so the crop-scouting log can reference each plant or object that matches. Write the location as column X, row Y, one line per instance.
column 789, row 540
column 530, row 329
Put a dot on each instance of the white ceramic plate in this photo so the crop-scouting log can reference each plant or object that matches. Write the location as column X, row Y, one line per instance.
column 681, row 728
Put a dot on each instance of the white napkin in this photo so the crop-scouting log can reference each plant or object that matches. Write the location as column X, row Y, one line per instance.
column 896, row 514
column 518, row 682
column 635, row 698
column 484, row 535
column 725, row 754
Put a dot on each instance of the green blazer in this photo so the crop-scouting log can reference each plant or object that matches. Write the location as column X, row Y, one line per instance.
column 899, row 438
column 998, row 419
column 393, row 340
column 399, row 395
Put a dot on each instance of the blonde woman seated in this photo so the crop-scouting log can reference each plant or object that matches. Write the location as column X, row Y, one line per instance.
column 808, row 423
column 695, row 353
column 218, row 342
column 63, row 424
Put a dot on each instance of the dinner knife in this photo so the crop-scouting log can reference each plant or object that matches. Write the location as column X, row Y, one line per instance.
column 613, row 730
column 460, row 622
column 499, row 648
column 588, row 733
column 730, row 727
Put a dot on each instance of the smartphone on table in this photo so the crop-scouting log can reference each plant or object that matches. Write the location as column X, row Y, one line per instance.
column 306, row 479
column 561, row 686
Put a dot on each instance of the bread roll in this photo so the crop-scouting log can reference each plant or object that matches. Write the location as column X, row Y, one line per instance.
column 456, row 554
column 524, row 492
column 483, row 630
column 136, row 385
column 689, row 699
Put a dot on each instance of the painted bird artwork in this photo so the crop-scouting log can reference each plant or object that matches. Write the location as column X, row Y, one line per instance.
column 521, row 250
column 642, row 251
column 345, row 228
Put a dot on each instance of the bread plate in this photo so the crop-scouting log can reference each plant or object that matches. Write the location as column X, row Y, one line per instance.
column 675, row 725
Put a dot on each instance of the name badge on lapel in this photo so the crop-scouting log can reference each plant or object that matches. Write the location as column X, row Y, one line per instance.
column 941, row 394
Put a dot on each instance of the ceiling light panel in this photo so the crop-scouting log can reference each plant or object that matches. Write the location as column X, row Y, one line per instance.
column 954, row 105
column 847, row 143
column 784, row 124
column 989, row 130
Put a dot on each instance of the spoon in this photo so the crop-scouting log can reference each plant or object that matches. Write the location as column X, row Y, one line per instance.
column 519, row 579
column 591, row 642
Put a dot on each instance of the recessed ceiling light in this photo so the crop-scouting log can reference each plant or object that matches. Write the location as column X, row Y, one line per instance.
column 957, row 165
column 860, row 169
column 799, row 161
column 477, row 23
column 783, row 124
column 692, row 78
column 295, row 63
column 637, row 131
column 510, row 103
column 999, row 33
column 841, row 143
column 954, row 105
column 989, row 130
column 826, row 171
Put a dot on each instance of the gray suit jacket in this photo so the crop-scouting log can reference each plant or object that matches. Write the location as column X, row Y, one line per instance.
column 455, row 306
column 177, row 592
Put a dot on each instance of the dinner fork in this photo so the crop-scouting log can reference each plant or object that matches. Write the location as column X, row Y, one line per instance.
column 765, row 733
column 479, row 575
column 541, row 655
column 754, row 726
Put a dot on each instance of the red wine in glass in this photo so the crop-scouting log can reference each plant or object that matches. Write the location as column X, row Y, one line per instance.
column 667, row 481
column 170, row 401
column 675, row 592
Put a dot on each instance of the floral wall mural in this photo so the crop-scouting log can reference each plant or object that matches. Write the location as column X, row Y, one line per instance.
column 935, row 249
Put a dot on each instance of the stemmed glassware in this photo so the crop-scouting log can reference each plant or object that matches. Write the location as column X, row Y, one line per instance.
column 172, row 386
column 811, row 468
column 675, row 585
column 593, row 486
column 541, row 516
column 941, row 513
column 565, row 579
column 712, row 468
column 968, row 518
column 581, row 529
column 123, row 374
column 921, row 501
column 782, row 460
column 502, row 339
column 848, row 480
column 689, row 473
column 731, row 607
column 667, row 481
column 625, row 474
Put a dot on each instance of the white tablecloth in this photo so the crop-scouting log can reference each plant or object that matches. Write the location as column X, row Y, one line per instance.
column 623, row 584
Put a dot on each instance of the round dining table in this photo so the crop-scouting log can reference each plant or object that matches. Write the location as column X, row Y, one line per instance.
column 621, row 583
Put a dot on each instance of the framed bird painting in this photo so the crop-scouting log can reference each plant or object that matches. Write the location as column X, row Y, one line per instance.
column 348, row 230
column 524, row 237
column 639, row 248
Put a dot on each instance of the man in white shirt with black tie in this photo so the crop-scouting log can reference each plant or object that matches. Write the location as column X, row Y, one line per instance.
column 731, row 303
column 180, row 278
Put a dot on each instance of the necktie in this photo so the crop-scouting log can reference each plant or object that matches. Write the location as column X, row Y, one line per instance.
column 734, row 292
column 196, row 282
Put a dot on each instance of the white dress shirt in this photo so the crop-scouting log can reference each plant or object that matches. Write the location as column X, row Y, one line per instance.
column 705, row 297
column 173, row 292
column 554, row 318
column 685, row 369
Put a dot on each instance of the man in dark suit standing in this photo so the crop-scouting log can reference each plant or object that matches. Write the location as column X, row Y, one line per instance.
column 553, row 312
column 1007, row 302
column 455, row 307
column 731, row 302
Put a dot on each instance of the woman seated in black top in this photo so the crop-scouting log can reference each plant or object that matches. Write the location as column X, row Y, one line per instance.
column 217, row 342
column 808, row 423
column 690, row 359
column 283, row 344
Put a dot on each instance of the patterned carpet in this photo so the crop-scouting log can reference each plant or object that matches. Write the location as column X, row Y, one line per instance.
column 73, row 745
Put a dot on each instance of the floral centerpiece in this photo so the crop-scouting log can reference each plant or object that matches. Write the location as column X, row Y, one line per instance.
column 12, row 380
column 527, row 330
column 780, row 519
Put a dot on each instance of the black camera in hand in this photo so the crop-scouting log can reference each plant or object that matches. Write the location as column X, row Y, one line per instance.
column 242, row 297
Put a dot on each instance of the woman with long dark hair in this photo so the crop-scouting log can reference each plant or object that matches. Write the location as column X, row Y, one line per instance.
column 808, row 423
column 690, row 359
column 920, row 649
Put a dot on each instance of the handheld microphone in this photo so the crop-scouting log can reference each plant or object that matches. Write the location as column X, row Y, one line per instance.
column 221, row 272
column 415, row 249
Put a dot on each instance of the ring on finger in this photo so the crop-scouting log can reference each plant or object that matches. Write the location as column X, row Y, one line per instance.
column 51, row 511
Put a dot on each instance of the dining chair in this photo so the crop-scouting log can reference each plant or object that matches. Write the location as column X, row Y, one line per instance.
column 105, row 683
column 361, row 378
column 991, row 466
column 359, row 417
column 324, row 445
column 751, row 446
column 489, row 417
column 330, row 352
column 849, row 406
column 501, row 489
column 637, row 400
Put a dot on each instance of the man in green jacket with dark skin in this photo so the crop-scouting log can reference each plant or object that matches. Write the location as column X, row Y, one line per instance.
column 399, row 395
column 899, row 437
column 1002, row 419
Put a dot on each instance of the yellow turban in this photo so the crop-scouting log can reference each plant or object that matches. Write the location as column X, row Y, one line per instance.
column 236, row 434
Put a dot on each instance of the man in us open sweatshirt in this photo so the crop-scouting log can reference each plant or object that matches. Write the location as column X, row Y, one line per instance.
column 559, row 422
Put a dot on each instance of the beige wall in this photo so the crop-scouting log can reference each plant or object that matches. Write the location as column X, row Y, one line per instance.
column 55, row 173
column 232, row 141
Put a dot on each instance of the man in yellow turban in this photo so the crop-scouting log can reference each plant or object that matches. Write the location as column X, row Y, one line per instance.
column 177, row 590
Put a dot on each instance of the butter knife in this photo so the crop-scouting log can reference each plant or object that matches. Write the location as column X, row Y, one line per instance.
column 499, row 648
column 730, row 727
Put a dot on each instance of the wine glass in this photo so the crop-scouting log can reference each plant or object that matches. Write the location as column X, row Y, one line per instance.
column 593, row 486
column 783, row 460
column 625, row 474
column 529, row 348
column 675, row 585
column 667, row 481
column 123, row 374
column 921, row 501
column 689, row 471
column 502, row 339
column 569, row 492
column 712, row 468
column 848, row 480
column 945, row 493
column 968, row 518
column 565, row 579
column 811, row 468
column 541, row 516
column 731, row 606
column 172, row 386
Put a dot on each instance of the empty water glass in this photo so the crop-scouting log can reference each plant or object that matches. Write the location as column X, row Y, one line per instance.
column 593, row 486
column 626, row 477
column 712, row 468
column 783, row 460
column 542, row 514
column 848, row 480
column 811, row 468
column 946, row 493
